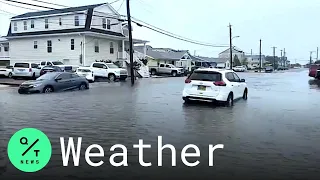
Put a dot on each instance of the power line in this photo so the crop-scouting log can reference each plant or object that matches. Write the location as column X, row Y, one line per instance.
column 49, row 3
column 121, row 5
column 19, row 6
column 114, row 1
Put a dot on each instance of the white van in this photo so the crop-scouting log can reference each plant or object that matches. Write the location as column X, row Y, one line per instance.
column 26, row 70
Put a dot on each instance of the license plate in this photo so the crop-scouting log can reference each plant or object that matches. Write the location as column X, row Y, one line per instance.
column 21, row 69
column 202, row 88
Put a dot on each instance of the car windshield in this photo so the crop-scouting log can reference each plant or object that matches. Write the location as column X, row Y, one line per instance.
column 112, row 66
column 205, row 76
column 57, row 63
column 47, row 76
column 22, row 65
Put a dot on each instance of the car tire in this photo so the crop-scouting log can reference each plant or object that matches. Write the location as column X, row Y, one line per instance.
column 229, row 101
column 33, row 76
column 174, row 73
column 153, row 72
column 48, row 89
column 245, row 94
column 83, row 86
column 186, row 100
column 10, row 75
column 14, row 77
column 112, row 77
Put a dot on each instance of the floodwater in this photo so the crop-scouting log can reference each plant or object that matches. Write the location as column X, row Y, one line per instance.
column 273, row 135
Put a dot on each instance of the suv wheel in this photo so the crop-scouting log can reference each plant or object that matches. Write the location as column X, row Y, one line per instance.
column 174, row 73
column 229, row 101
column 112, row 77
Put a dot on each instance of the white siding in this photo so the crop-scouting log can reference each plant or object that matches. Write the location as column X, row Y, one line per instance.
column 104, row 50
column 104, row 11
column 68, row 22
column 22, row 50
column 4, row 55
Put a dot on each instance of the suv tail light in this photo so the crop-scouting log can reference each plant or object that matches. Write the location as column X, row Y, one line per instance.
column 220, row 83
column 187, row 81
column 30, row 69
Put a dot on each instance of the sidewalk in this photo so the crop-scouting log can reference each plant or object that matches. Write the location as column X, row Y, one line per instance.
column 11, row 82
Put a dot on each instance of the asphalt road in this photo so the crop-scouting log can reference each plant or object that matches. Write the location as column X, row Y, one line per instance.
column 273, row 135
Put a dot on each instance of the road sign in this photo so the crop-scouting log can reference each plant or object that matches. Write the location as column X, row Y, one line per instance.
column 29, row 150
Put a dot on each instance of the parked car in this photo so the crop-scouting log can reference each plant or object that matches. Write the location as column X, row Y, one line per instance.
column 108, row 70
column 166, row 69
column 67, row 68
column 313, row 71
column 26, row 70
column 269, row 69
column 50, row 69
column 54, row 82
column 239, row 69
column 213, row 84
column 86, row 72
column 7, row 71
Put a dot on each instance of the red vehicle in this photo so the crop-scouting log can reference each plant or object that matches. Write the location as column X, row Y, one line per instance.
column 314, row 71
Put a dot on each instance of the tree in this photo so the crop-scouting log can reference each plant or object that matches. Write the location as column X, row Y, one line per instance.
column 244, row 62
column 236, row 61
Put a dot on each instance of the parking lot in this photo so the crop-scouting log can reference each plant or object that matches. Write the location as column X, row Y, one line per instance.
column 278, row 126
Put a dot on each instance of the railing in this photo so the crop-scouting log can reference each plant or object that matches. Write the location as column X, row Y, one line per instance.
column 122, row 55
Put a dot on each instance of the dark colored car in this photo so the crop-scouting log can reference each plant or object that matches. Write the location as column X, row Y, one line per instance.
column 53, row 82
column 313, row 71
column 269, row 69
column 50, row 69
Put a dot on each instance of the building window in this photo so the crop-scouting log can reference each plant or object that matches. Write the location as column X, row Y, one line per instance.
column 46, row 21
column 108, row 24
column 6, row 48
column 15, row 26
column 25, row 25
column 96, row 46
column 35, row 44
column 76, row 20
column 32, row 23
column 72, row 44
column 104, row 23
column 111, row 48
column 49, row 46
column 60, row 21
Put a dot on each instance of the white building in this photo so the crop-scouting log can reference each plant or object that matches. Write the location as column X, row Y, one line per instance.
column 254, row 61
column 4, row 52
column 75, row 36
column 224, row 56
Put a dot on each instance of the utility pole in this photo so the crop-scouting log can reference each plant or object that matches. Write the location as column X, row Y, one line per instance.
column 317, row 53
column 260, row 60
column 281, row 58
column 130, row 42
column 311, row 57
column 230, row 31
column 194, row 53
column 274, row 57
column 284, row 57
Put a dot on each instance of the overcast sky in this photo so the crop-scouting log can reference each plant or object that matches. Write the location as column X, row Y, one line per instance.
column 289, row 24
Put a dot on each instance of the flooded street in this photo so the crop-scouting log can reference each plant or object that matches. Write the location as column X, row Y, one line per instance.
column 274, row 134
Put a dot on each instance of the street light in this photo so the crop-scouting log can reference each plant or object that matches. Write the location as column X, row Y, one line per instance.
column 231, row 48
column 311, row 56
column 235, row 37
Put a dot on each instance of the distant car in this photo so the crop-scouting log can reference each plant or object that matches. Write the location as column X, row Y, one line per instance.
column 86, row 72
column 239, row 69
column 26, row 70
column 211, row 84
column 7, row 71
column 54, row 82
column 269, row 69
column 50, row 69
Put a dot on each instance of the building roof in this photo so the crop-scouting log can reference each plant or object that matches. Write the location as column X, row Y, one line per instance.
column 162, row 53
column 216, row 60
column 255, row 56
column 234, row 50
column 57, row 11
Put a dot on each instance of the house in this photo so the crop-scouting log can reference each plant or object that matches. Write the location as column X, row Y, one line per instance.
column 4, row 52
column 155, row 56
column 217, row 62
column 235, row 52
column 75, row 36
column 254, row 61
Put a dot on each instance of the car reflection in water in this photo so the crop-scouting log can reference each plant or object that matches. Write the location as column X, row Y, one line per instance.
column 314, row 83
column 53, row 82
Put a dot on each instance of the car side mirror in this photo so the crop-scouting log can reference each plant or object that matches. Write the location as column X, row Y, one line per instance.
column 58, row 79
column 242, row 80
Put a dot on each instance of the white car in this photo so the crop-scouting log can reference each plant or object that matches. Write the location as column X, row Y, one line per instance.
column 239, row 69
column 108, row 70
column 26, row 70
column 86, row 72
column 213, row 84
column 7, row 71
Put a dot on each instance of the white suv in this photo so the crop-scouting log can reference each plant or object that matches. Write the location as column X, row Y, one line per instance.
column 212, row 84
column 26, row 70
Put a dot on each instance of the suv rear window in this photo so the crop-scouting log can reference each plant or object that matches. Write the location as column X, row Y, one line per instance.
column 22, row 65
column 83, row 70
column 205, row 76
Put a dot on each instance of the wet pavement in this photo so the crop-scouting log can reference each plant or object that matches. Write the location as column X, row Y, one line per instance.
column 273, row 135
